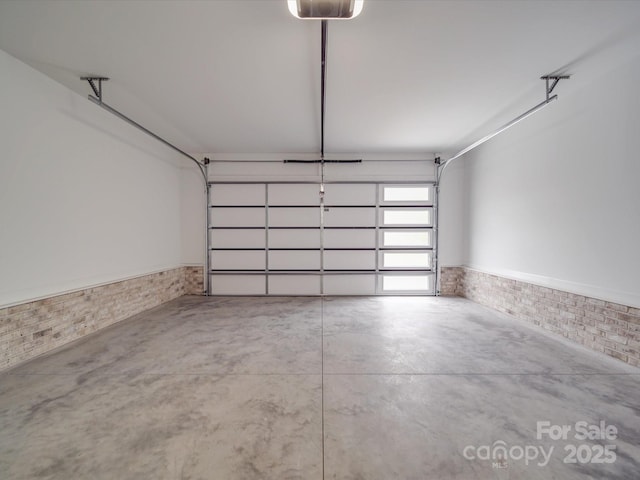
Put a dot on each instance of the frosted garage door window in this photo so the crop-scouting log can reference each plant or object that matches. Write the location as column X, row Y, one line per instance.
column 406, row 283
column 406, row 239
column 406, row 217
column 406, row 194
column 406, row 260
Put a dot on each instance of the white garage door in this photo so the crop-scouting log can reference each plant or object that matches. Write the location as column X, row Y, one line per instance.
column 366, row 238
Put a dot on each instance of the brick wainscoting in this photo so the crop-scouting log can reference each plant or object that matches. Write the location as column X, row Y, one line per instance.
column 34, row 328
column 450, row 280
column 603, row 326
column 193, row 280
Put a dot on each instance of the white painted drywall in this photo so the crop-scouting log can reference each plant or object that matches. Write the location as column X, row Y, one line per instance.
column 556, row 199
column 193, row 216
column 84, row 198
column 452, row 216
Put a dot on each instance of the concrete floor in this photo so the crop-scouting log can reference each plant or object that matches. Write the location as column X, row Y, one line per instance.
column 310, row 388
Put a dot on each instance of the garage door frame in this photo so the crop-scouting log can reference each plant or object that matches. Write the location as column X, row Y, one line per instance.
column 257, row 276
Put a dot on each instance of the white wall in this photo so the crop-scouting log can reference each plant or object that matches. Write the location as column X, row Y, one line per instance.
column 556, row 199
column 84, row 198
column 452, row 235
column 193, row 216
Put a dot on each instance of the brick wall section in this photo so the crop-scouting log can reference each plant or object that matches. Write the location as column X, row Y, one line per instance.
column 606, row 327
column 33, row 328
column 193, row 280
column 450, row 280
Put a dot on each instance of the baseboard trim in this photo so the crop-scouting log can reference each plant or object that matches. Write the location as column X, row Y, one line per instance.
column 625, row 298
column 88, row 286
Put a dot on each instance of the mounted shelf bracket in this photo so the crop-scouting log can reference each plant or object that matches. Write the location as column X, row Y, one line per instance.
column 92, row 81
column 552, row 86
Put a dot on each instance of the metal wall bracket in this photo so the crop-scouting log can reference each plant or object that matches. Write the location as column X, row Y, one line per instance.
column 552, row 86
column 98, row 101
column 92, row 81
column 551, row 82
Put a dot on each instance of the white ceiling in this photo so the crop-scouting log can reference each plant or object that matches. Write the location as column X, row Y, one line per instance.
column 238, row 76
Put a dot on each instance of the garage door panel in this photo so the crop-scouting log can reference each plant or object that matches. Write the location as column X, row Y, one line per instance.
column 238, row 284
column 285, row 238
column 405, row 260
column 237, row 217
column 237, row 260
column 349, row 284
column 294, row 285
column 291, row 238
column 294, row 217
column 407, row 194
column 394, row 284
column 237, row 194
column 349, row 260
column 350, row 194
column 294, row 194
column 406, row 217
column 238, row 238
column 294, row 260
column 349, row 238
column 406, row 238
column 349, row 217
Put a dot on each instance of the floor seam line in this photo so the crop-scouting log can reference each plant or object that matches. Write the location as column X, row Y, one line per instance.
column 322, row 376
column 480, row 374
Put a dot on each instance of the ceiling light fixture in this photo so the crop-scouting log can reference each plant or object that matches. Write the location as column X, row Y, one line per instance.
column 325, row 9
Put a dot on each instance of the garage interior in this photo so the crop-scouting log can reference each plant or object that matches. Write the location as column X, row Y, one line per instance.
column 238, row 244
